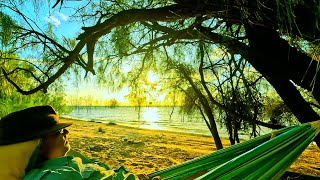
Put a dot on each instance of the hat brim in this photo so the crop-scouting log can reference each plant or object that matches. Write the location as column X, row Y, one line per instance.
column 38, row 134
column 53, row 129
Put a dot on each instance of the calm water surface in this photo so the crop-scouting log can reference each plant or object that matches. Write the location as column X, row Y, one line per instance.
column 151, row 118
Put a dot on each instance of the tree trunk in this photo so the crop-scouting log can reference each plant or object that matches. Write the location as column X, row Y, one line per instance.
column 139, row 112
column 207, row 109
column 254, row 131
column 254, row 126
column 213, row 124
column 229, row 128
column 170, row 115
column 277, row 67
column 235, row 131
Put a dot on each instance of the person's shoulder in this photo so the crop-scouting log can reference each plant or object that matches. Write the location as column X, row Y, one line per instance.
column 59, row 168
column 33, row 174
column 62, row 174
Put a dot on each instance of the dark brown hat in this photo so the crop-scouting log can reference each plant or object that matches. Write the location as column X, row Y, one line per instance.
column 28, row 124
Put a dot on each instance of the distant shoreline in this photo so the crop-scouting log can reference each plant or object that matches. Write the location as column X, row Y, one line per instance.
column 241, row 136
column 128, row 126
column 152, row 117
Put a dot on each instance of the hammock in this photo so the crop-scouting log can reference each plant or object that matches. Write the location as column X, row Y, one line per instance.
column 265, row 157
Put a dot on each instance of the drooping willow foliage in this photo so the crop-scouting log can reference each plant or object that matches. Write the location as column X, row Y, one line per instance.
column 164, row 36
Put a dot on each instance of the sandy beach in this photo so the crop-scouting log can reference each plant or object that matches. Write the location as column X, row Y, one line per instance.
column 145, row 151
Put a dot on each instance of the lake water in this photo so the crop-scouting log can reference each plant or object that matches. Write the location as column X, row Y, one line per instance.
column 151, row 118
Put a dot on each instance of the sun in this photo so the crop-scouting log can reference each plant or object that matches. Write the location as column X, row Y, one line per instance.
column 152, row 78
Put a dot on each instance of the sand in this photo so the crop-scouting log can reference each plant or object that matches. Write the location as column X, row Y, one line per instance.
column 145, row 151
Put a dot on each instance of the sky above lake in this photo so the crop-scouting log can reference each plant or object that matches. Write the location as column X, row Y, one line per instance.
column 63, row 26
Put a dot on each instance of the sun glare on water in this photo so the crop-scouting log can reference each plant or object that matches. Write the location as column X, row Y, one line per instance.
column 151, row 114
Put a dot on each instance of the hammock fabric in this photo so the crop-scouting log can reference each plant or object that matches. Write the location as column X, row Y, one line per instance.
column 265, row 157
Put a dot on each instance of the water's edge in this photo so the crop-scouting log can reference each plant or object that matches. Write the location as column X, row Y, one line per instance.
column 153, row 118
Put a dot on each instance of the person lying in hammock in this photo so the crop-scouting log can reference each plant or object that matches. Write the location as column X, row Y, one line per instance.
column 34, row 145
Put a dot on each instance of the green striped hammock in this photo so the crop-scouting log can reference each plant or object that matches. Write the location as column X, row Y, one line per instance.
column 265, row 157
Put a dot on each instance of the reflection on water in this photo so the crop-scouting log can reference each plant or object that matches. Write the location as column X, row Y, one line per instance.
column 161, row 118
column 152, row 126
column 151, row 114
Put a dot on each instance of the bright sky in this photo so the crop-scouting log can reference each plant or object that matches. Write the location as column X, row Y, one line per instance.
column 87, row 88
column 97, row 93
column 152, row 77
column 44, row 14
column 63, row 26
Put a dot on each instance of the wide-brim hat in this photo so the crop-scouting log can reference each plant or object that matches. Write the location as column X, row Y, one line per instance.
column 27, row 124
